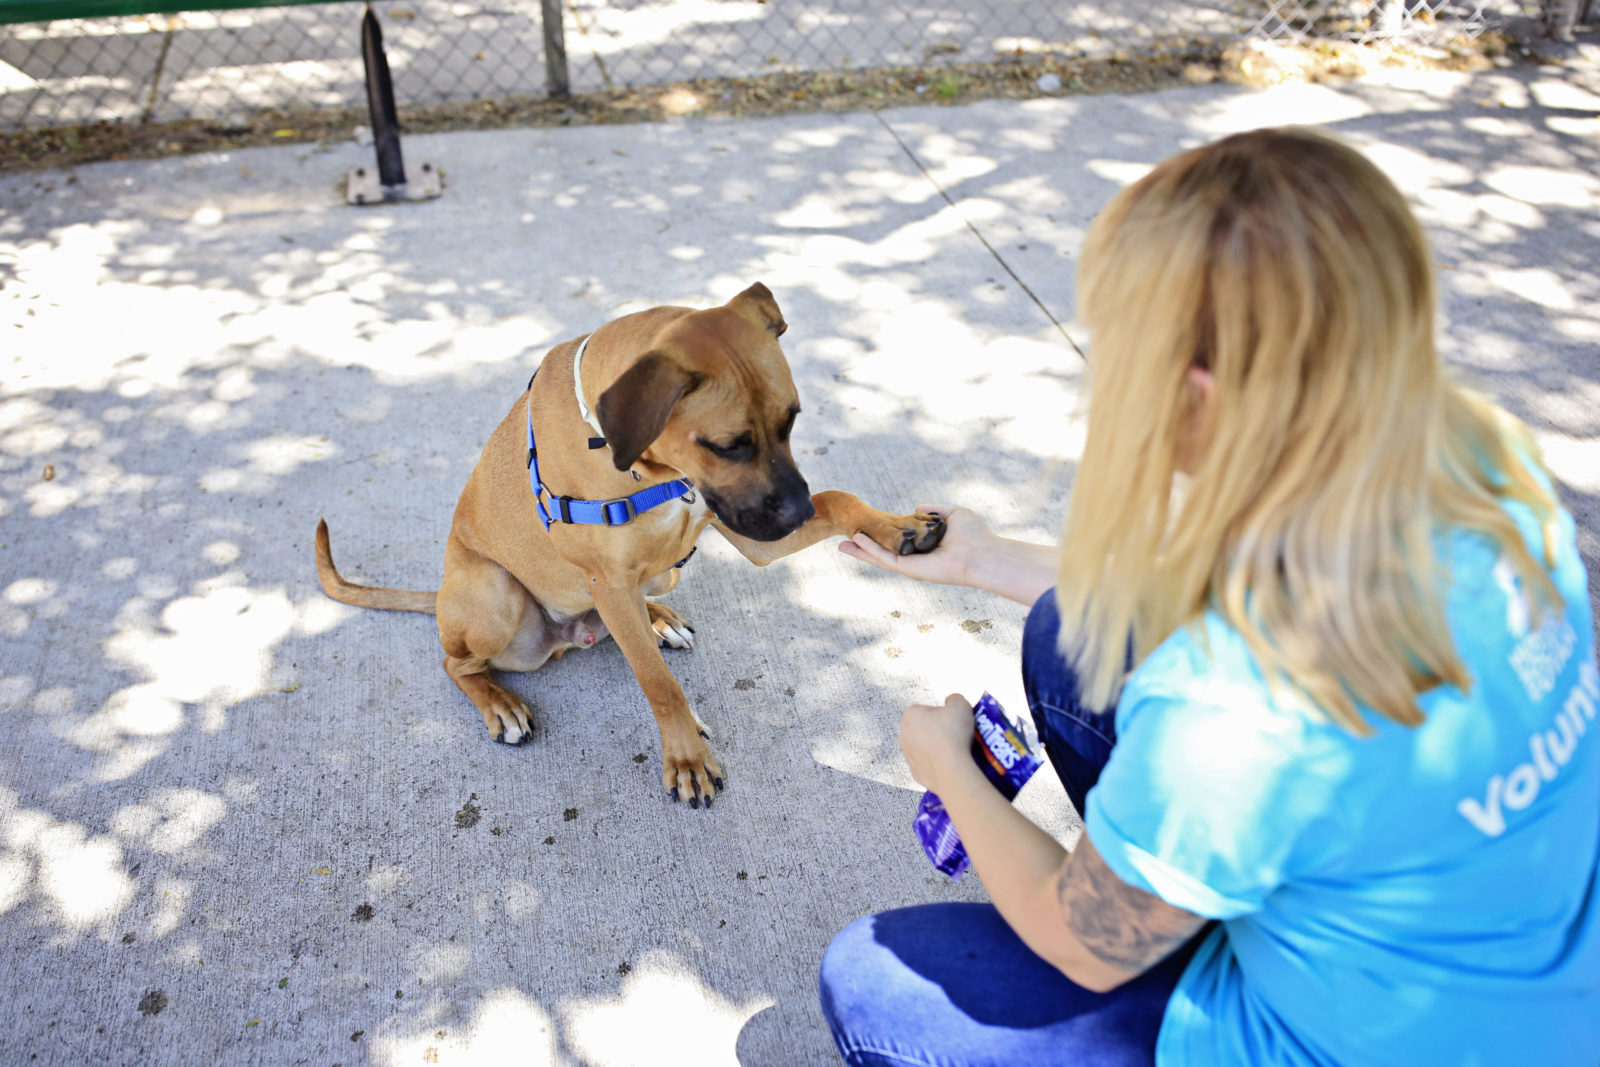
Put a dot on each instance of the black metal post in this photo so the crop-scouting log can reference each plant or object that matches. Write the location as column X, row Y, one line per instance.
column 555, row 49
column 380, row 103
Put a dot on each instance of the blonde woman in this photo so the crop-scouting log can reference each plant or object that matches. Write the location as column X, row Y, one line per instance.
column 1345, row 809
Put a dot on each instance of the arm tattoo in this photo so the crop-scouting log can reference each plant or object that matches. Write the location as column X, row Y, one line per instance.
column 1123, row 926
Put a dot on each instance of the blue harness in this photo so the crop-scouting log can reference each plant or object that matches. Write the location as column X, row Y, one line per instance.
column 618, row 511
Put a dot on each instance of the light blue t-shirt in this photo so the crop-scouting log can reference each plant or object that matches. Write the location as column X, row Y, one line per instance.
column 1423, row 896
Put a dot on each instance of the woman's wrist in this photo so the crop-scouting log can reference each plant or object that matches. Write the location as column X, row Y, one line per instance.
column 955, row 773
column 1017, row 570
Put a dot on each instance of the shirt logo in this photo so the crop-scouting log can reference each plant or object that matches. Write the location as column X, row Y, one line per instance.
column 1549, row 751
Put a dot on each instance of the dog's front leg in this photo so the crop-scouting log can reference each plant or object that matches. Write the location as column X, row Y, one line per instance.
column 842, row 515
column 687, row 770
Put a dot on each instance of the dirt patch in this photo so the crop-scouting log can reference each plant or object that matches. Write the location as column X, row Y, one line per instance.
column 153, row 1002
column 469, row 814
column 1013, row 77
column 973, row 626
column 363, row 913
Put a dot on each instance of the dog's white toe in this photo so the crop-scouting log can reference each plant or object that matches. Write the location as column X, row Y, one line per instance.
column 511, row 735
column 674, row 636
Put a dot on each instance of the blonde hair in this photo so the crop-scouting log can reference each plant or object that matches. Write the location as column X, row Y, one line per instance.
column 1332, row 449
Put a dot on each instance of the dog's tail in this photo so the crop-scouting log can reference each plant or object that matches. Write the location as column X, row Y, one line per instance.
column 366, row 596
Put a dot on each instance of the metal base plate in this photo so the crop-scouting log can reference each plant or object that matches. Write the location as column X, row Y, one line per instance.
column 364, row 189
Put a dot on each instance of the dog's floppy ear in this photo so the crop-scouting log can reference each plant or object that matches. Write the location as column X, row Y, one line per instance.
column 635, row 409
column 759, row 302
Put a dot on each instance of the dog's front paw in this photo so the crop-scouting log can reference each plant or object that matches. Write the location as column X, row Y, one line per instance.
column 923, row 535
column 688, row 770
column 906, row 534
column 671, row 629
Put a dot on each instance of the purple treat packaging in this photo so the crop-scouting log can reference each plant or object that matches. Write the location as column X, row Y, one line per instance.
column 1007, row 753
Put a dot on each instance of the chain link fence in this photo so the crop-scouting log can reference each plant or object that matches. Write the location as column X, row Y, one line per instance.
column 223, row 65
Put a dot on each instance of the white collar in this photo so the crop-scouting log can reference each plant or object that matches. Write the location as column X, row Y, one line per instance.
column 577, row 387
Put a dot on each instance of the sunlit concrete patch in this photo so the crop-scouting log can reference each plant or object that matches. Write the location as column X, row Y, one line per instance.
column 171, row 820
column 507, row 1026
column 121, row 757
column 1308, row 105
column 143, row 711
column 822, row 211
column 30, row 590
column 16, row 880
column 79, row 879
column 1550, row 186
column 1583, row 330
column 215, row 645
column 950, row 161
column 664, row 1014
column 1565, row 94
column 1120, row 172
column 1575, row 462
column 1414, row 171
column 1537, row 285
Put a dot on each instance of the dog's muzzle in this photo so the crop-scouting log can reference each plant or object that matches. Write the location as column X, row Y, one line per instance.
column 772, row 519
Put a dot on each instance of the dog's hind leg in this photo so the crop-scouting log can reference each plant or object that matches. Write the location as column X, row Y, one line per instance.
column 488, row 619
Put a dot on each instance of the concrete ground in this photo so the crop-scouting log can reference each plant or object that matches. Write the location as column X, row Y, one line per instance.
column 240, row 823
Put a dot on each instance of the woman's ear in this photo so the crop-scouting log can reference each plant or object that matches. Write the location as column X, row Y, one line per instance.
column 1196, row 434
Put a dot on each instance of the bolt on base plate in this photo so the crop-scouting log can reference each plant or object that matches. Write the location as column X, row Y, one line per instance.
column 364, row 188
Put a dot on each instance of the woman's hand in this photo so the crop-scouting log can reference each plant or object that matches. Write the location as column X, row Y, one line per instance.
column 970, row 555
column 937, row 741
column 966, row 537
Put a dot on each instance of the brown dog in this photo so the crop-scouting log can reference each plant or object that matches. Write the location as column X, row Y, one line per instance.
column 679, row 396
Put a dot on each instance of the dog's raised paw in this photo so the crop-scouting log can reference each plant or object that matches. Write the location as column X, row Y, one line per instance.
column 924, row 535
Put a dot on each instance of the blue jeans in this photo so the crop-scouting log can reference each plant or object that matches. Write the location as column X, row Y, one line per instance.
column 942, row 985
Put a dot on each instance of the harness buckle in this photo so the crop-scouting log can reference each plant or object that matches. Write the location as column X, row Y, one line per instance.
column 626, row 502
column 562, row 504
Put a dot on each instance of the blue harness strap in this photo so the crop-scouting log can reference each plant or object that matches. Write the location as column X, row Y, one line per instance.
column 618, row 511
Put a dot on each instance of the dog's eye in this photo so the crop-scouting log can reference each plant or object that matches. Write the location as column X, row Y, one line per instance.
column 738, row 450
column 788, row 424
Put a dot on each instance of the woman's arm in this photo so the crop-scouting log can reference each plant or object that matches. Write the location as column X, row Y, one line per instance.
column 970, row 554
column 1068, row 907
